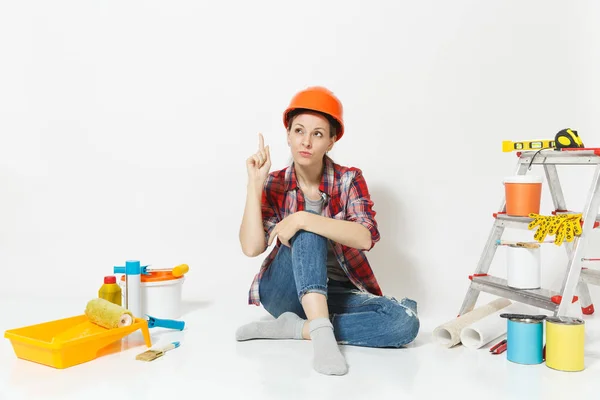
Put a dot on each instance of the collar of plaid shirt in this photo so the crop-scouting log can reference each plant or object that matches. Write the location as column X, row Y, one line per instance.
column 346, row 198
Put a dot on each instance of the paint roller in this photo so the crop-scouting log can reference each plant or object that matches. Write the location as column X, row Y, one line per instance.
column 108, row 315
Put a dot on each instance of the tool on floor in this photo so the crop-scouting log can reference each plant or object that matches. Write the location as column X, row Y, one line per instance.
column 108, row 315
column 66, row 342
column 151, row 355
column 100, row 313
column 165, row 323
column 499, row 347
column 575, row 278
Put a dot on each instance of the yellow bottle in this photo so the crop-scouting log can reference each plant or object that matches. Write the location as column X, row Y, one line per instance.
column 110, row 290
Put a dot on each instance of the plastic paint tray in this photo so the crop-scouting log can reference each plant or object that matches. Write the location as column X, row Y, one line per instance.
column 70, row 341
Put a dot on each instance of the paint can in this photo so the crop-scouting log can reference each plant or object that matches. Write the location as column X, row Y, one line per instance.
column 523, row 268
column 523, row 194
column 565, row 338
column 524, row 340
column 161, row 294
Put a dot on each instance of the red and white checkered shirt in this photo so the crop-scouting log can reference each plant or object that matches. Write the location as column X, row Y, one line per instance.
column 347, row 198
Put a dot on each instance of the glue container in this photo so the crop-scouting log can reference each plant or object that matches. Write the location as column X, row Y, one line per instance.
column 110, row 291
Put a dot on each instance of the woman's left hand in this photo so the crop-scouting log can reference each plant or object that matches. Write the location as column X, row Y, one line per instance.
column 287, row 228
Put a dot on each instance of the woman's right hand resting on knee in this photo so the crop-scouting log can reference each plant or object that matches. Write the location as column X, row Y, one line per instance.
column 252, row 237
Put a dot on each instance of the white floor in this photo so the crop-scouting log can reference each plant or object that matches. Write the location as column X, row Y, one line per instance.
column 211, row 364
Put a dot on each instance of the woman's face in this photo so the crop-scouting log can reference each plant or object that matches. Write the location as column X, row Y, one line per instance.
column 309, row 138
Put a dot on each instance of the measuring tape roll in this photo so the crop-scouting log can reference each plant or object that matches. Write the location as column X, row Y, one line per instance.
column 567, row 139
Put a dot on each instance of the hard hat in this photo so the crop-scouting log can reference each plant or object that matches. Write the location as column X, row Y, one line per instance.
column 320, row 99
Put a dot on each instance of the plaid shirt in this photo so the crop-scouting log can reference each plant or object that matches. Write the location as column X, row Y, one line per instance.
column 347, row 198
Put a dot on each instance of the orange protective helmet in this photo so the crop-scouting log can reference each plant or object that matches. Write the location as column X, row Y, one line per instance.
column 320, row 99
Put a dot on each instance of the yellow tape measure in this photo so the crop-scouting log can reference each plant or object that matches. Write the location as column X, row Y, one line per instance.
column 566, row 138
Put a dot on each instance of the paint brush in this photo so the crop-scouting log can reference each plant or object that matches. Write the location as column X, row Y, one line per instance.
column 527, row 245
column 151, row 355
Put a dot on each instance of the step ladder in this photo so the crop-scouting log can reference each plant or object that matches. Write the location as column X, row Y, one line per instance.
column 577, row 277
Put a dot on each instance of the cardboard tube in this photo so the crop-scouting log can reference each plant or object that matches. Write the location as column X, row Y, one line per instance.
column 448, row 334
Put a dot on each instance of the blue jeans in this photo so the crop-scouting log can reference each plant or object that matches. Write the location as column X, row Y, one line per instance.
column 358, row 318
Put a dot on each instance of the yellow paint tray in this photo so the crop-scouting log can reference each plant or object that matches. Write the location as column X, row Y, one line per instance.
column 70, row 341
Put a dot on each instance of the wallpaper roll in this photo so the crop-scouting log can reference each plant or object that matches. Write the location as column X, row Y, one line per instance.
column 491, row 327
column 448, row 334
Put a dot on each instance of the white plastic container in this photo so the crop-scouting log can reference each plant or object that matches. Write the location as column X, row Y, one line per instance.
column 161, row 294
column 523, row 268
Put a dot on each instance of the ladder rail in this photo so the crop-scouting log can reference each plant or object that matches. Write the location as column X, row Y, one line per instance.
column 558, row 199
column 553, row 157
column 589, row 215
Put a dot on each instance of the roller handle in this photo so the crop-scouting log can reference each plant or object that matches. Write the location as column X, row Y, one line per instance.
column 165, row 323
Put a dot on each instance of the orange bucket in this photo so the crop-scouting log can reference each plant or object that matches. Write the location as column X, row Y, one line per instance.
column 523, row 195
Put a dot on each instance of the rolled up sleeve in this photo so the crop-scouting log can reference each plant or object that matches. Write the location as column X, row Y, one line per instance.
column 360, row 206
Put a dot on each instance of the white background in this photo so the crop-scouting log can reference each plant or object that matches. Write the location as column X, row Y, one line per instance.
column 124, row 129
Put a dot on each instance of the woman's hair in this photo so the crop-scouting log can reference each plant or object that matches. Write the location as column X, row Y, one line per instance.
column 334, row 126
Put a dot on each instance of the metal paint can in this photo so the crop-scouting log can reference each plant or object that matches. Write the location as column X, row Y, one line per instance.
column 524, row 341
column 523, row 268
column 565, row 337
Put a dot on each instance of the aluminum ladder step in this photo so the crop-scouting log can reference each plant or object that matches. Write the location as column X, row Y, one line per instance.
column 553, row 157
column 541, row 298
column 509, row 221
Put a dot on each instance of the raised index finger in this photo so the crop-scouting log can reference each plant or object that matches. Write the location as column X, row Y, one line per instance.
column 261, row 142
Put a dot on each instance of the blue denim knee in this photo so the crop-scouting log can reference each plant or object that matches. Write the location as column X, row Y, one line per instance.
column 404, row 322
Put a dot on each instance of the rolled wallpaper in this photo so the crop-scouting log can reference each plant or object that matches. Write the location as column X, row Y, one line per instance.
column 491, row 327
column 448, row 334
